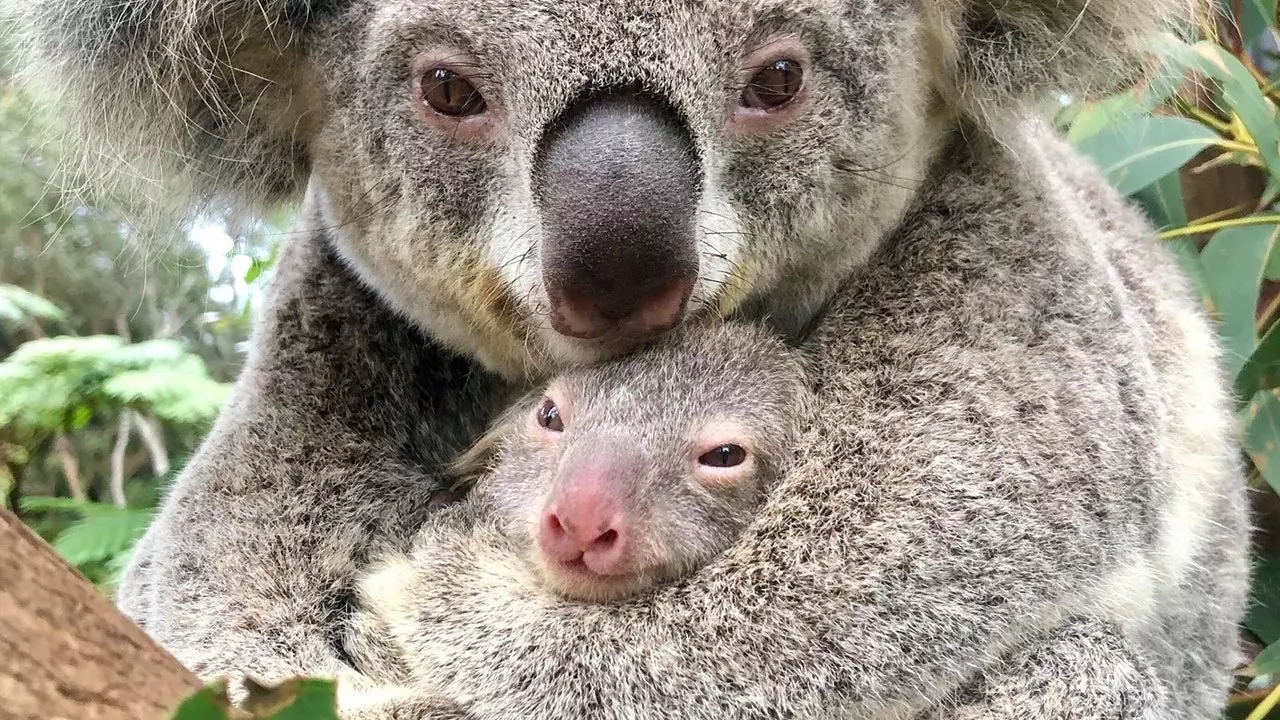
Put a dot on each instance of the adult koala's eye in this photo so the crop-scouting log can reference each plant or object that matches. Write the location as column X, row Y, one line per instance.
column 549, row 416
column 724, row 456
column 448, row 93
column 774, row 85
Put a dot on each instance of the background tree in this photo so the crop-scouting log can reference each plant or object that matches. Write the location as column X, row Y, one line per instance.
column 114, row 356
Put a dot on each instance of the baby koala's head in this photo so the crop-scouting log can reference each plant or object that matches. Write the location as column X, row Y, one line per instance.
column 634, row 472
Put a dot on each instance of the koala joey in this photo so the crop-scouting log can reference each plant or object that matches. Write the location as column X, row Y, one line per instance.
column 1020, row 431
column 616, row 478
column 626, row 474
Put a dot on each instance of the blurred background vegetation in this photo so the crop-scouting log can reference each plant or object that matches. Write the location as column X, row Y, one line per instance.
column 114, row 359
column 115, row 356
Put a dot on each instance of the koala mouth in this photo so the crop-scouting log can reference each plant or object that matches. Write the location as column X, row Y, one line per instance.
column 575, row 580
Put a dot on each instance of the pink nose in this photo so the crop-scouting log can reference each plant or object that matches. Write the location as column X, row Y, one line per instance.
column 586, row 528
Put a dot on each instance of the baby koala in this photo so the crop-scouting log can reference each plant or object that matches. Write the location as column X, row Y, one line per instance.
column 610, row 481
column 624, row 475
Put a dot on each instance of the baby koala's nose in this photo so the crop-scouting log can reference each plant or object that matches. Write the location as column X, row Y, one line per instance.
column 585, row 528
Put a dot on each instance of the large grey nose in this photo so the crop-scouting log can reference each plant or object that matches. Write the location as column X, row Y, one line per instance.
column 617, row 182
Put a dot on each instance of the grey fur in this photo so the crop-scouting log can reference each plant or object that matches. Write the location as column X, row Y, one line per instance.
column 657, row 405
column 1017, row 399
column 937, row 524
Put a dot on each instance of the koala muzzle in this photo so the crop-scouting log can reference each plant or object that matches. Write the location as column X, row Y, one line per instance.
column 617, row 181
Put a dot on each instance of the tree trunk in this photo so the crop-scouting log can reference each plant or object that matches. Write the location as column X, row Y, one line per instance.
column 70, row 466
column 13, row 493
column 123, row 430
column 153, row 437
column 66, row 652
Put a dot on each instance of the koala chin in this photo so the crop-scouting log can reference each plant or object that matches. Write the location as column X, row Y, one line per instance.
column 1016, row 491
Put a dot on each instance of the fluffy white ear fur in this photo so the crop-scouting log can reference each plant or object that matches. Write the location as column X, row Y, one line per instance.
column 991, row 57
column 182, row 110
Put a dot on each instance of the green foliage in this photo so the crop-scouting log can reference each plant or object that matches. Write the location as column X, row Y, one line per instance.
column 297, row 699
column 1144, row 149
column 1206, row 105
column 99, row 538
column 59, row 383
column 18, row 306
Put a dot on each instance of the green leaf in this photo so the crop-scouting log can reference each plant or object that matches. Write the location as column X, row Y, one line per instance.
column 18, row 306
column 1258, row 17
column 1164, row 205
column 210, row 703
column 295, row 699
column 1163, row 202
column 1262, row 370
column 102, row 536
column 255, row 270
column 1233, row 262
column 1263, row 616
column 1091, row 118
column 1095, row 117
column 1272, row 269
column 81, row 416
column 1261, row 433
column 1140, row 151
column 1187, row 255
column 1268, row 661
column 62, row 504
column 1241, row 93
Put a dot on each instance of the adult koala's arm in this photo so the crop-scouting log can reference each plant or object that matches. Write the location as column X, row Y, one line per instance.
column 247, row 567
column 1019, row 420
column 1083, row 670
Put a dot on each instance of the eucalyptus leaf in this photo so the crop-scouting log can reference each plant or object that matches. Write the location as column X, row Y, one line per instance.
column 1163, row 202
column 1257, row 19
column 1263, row 616
column 1261, row 436
column 1262, row 370
column 1242, row 95
column 1233, row 262
column 1268, row 661
column 1136, row 153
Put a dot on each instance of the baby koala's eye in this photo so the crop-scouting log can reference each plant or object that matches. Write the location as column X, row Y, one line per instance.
column 448, row 93
column 724, row 456
column 773, row 85
column 549, row 416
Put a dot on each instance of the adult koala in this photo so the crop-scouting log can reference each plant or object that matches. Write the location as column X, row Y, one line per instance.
column 497, row 188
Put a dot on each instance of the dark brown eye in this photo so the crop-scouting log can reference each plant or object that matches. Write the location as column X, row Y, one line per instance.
column 448, row 93
column 724, row 456
column 774, row 85
column 549, row 416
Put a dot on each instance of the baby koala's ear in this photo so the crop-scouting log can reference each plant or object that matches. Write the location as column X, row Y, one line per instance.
column 470, row 466
column 474, row 463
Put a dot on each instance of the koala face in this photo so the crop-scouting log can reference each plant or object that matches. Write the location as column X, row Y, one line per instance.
column 631, row 473
column 544, row 184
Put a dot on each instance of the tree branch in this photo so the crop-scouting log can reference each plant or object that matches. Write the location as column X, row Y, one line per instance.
column 66, row 651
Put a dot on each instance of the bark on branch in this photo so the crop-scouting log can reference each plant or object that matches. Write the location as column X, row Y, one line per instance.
column 66, row 652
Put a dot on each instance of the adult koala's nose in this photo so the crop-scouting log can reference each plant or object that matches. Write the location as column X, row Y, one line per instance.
column 617, row 181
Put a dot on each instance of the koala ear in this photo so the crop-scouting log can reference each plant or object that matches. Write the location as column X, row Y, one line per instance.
column 471, row 465
column 477, row 460
column 993, row 55
column 187, row 104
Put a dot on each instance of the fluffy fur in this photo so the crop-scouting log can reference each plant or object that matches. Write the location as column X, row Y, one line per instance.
column 1023, row 426
column 938, row 540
